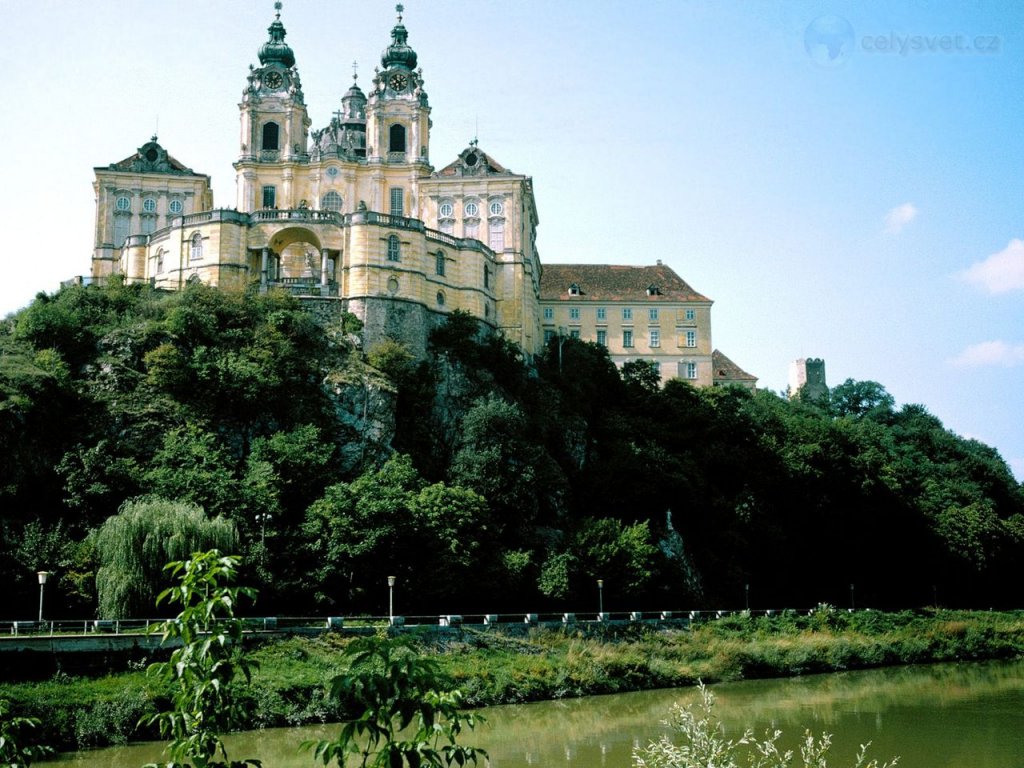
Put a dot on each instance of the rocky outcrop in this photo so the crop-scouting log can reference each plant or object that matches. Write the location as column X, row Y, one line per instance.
column 365, row 402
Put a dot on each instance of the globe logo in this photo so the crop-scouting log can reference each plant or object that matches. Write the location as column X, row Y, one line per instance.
column 828, row 40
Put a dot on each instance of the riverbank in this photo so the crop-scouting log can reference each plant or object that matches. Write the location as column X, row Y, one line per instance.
column 494, row 668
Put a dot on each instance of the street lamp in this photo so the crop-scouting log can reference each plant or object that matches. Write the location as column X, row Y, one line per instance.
column 43, row 576
column 391, row 599
column 263, row 518
column 600, row 598
column 746, row 594
column 561, row 341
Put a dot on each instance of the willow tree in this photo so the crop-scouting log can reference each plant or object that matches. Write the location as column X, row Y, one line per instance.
column 134, row 545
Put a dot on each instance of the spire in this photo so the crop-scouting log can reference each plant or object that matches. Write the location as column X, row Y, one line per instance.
column 276, row 50
column 399, row 54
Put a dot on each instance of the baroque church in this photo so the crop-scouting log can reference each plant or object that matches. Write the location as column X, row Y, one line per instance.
column 354, row 216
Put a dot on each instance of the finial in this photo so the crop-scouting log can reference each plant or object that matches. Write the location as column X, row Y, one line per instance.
column 277, row 8
column 355, row 71
column 401, row 9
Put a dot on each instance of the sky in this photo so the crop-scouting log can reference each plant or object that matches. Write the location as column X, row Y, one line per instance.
column 844, row 179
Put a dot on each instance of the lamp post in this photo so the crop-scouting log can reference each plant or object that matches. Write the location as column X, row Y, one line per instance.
column 853, row 603
column 600, row 598
column 43, row 576
column 746, row 596
column 391, row 600
column 263, row 518
column 561, row 341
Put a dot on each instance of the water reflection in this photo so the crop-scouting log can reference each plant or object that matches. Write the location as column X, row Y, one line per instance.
column 933, row 717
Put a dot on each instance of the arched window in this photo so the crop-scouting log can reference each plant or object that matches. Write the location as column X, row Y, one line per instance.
column 440, row 298
column 394, row 248
column 396, row 138
column 331, row 201
column 440, row 263
column 271, row 132
column 196, row 250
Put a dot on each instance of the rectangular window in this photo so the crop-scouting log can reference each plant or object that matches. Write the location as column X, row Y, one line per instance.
column 602, row 337
column 397, row 201
column 487, row 277
column 690, row 314
column 471, row 229
column 688, row 370
column 655, row 337
column 574, row 333
column 652, row 315
column 627, row 338
column 121, row 226
column 440, row 263
column 549, row 313
column 600, row 313
column 270, row 197
column 627, row 313
column 574, row 313
column 691, row 338
column 548, row 335
column 448, row 227
column 496, row 236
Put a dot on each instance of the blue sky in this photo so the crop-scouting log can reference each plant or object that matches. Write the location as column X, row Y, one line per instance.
column 866, row 208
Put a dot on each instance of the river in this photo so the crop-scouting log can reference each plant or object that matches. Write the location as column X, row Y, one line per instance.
column 942, row 716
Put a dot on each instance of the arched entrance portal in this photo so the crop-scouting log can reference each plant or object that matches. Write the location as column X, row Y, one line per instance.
column 300, row 262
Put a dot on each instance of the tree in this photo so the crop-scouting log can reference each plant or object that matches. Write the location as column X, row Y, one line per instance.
column 404, row 717
column 861, row 399
column 192, row 466
column 204, row 671
column 134, row 545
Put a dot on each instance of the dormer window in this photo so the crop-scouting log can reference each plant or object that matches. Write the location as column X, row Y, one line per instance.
column 653, row 290
column 574, row 290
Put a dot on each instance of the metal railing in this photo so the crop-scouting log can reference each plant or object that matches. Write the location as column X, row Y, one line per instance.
column 311, row 624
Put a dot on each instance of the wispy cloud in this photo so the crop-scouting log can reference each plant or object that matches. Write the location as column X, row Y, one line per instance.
column 1001, row 272
column 990, row 353
column 899, row 217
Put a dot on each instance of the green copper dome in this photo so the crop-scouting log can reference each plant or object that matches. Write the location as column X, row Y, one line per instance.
column 276, row 50
column 399, row 54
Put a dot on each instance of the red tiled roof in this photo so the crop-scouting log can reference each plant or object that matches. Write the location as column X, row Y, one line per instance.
column 724, row 369
column 612, row 282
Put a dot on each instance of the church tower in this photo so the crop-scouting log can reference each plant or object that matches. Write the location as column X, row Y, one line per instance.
column 274, row 127
column 398, row 125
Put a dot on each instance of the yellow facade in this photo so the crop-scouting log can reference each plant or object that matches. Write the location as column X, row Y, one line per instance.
column 354, row 213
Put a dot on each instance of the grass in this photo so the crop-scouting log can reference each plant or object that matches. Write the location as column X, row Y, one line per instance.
column 494, row 668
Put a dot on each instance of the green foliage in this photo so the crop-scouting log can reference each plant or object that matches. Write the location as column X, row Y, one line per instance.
column 392, row 358
column 17, row 748
column 133, row 546
column 703, row 744
column 205, row 670
column 404, row 717
column 389, row 522
column 642, row 374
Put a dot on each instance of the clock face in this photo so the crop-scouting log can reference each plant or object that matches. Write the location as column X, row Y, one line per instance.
column 398, row 82
column 272, row 80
